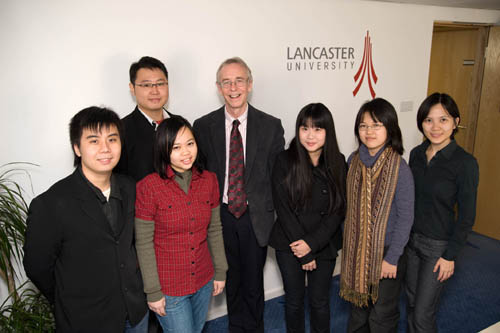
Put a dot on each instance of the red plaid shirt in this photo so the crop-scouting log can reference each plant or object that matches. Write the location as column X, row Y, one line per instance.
column 181, row 220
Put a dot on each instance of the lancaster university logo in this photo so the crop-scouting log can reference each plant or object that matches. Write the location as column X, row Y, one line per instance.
column 366, row 68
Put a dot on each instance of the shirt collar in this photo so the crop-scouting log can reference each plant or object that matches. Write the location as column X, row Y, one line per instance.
column 171, row 173
column 241, row 118
column 115, row 193
column 150, row 120
column 447, row 151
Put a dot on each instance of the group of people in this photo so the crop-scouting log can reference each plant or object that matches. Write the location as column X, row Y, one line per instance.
column 163, row 215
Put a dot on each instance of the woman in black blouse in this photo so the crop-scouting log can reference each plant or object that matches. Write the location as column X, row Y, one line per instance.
column 309, row 196
column 446, row 176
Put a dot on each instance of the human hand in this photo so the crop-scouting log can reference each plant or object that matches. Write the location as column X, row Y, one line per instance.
column 218, row 287
column 310, row 266
column 300, row 248
column 388, row 271
column 446, row 269
column 158, row 307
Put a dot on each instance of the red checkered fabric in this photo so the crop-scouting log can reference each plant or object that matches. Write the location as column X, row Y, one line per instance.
column 181, row 220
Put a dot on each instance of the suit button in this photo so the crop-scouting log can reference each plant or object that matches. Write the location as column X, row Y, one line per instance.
column 191, row 233
column 189, row 203
column 192, row 273
column 192, row 262
column 324, row 191
column 122, row 265
column 117, row 242
column 192, row 248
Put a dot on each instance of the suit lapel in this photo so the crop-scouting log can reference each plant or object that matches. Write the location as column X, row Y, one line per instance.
column 89, row 204
column 218, row 133
column 252, row 141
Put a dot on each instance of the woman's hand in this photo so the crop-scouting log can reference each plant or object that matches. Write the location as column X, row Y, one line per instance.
column 300, row 248
column 218, row 287
column 158, row 306
column 446, row 269
column 388, row 271
column 310, row 266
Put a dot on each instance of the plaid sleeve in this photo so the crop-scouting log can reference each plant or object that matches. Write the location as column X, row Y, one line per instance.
column 145, row 207
column 214, row 191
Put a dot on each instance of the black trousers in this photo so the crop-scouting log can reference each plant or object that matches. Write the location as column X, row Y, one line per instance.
column 422, row 286
column 382, row 316
column 318, row 290
column 245, row 275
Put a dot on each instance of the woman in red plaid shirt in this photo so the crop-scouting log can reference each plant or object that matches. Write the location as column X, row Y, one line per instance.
column 178, row 231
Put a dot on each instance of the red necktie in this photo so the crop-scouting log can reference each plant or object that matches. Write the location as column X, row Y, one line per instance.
column 237, row 198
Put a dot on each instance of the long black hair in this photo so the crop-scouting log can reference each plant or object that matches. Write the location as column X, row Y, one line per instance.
column 164, row 141
column 382, row 111
column 299, row 179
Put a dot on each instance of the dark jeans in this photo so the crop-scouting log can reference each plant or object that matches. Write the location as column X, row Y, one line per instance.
column 422, row 286
column 245, row 274
column 318, row 289
column 383, row 315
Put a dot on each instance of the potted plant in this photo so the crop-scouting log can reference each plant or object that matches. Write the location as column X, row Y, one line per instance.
column 25, row 309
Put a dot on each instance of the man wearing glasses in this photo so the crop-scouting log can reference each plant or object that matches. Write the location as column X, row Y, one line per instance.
column 240, row 144
column 149, row 85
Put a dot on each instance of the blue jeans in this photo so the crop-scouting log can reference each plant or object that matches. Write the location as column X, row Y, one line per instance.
column 141, row 327
column 422, row 286
column 186, row 314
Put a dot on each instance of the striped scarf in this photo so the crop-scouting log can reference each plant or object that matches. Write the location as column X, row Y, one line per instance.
column 370, row 192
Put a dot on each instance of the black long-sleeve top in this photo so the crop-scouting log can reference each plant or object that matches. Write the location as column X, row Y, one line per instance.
column 320, row 230
column 450, row 178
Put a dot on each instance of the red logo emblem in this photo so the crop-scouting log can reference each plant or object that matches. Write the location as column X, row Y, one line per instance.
column 366, row 67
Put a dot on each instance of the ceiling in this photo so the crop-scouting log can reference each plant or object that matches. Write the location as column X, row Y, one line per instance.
column 479, row 4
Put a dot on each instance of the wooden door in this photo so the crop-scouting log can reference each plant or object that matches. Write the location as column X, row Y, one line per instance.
column 487, row 143
column 456, row 69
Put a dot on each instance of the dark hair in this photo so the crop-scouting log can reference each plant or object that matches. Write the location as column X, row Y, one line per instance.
column 164, row 141
column 437, row 98
column 382, row 111
column 146, row 62
column 92, row 118
column 299, row 179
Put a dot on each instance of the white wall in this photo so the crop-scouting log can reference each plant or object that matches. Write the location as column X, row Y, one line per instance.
column 60, row 56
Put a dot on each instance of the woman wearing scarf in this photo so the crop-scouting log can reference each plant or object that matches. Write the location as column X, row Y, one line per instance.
column 380, row 197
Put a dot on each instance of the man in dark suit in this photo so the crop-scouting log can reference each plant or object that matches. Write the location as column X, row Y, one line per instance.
column 78, row 248
column 149, row 85
column 240, row 144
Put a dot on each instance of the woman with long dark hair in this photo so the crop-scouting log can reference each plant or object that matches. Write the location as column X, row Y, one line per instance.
column 379, row 217
column 446, row 179
column 178, row 231
column 309, row 197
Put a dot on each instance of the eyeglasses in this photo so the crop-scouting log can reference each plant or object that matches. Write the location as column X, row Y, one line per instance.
column 149, row 85
column 375, row 127
column 239, row 82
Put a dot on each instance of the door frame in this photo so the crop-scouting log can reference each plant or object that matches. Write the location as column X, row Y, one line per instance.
column 474, row 93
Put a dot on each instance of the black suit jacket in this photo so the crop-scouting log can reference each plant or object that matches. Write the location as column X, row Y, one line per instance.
column 71, row 254
column 137, row 152
column 264, row 140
